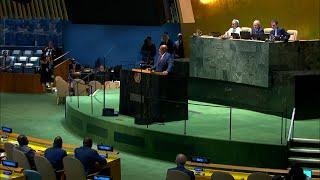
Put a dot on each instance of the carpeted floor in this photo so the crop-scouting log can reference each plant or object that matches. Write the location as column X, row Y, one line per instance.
column 39, row 116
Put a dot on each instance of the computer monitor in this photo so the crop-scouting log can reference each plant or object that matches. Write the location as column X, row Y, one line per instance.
column 245, row 35
column 105, row 148
column 235, row 35
column 6, row 129
column 9, row 163
column 199, row 159
column 99, row 177
column 307, row 172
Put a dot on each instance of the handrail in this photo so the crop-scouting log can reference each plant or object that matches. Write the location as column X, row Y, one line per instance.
column 291, row 124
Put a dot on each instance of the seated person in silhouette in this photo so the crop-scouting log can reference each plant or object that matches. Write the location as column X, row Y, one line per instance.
column 90, row 158
column 296, row 173
column 181, row 160
column 164, row 63
column 55, row 154
column 29, row 152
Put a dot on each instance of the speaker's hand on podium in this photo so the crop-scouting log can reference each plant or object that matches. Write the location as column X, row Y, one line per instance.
column 165, row 72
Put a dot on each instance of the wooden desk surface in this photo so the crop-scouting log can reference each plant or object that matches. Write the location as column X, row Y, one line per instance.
column 148, row 72
column 20, row 83
column 14, row 176
column 40, row 145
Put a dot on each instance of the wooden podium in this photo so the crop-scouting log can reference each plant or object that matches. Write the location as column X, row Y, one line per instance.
column 153, row 97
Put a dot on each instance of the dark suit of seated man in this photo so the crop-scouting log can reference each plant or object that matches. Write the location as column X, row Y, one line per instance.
column 55, row 154
column 164, row 63
column 90, row 158
column 29, row 152
column 257, row 31
column 181, row 160
column 278, row 33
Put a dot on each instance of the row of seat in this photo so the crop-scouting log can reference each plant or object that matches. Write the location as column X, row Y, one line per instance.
column 217, row 175
column 27, row 53
column 73, row 168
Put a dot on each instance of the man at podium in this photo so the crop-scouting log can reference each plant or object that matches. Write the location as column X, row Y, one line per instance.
column 164, row 63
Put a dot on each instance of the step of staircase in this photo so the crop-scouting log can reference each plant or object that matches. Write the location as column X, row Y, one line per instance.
column 305, row 140
column 305, row 150
column 307, row 160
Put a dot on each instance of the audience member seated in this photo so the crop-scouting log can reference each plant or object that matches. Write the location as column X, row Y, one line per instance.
column 278, row 33
column 148, row 51
column 29, row 152
column 90, row 158
column 74, row 66
column 164, row 63
column 178, row 47
column 181, row 160
column 235, row 28
column 296, row 173
column 55, row 154
column 257, row 32
column 5, row 62
column 167, row 41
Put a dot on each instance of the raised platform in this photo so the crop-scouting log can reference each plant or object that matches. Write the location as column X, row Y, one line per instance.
column 255, row 137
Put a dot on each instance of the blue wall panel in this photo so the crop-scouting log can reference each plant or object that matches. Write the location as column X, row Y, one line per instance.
column 87, row 43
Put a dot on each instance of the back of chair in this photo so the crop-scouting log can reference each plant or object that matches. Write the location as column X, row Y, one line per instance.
column 259, row 176
column 221, row 176
column 44, row 168
column 293, row 35
column 32, row 175
column 21, row 158
column 79, row 87
column 95, row 85
column 8, row 148
column 62, row 87
column 246, row 29
column 267, row 30
column 73, row 169
column 177, row 175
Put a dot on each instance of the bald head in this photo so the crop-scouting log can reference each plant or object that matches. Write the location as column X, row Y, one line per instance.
column 181, row 159
column 87, row 142
column 256, row 24
column 163, row 49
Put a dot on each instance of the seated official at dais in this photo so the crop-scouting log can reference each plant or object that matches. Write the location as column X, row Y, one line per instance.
column 278, row 33
column 257, row 31
column 235, row 29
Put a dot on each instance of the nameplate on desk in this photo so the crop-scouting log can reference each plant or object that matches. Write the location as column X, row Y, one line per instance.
column 136, row 98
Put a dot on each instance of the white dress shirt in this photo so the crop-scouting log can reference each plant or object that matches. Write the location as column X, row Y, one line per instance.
column 231, row 30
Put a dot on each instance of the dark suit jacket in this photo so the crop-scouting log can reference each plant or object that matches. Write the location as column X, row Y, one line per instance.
column 257, row 33
column 55, row 156
column 183, row 169
column 30, row 153
column 164, row 64
column 88, row 158
column 281, row 34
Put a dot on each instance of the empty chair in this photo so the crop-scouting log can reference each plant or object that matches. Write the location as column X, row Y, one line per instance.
column 8, row 148
column 44, row 168
column 267, row 30
column 23, row 59
column 79, row 87
column 35, row 61
column 95, row 86
column 27, row 53
column 259, row 176
column 16, row 52
column 21, row 158
column 38, row 53
column 293, row 35
column 32, row 175
column 177, row 175
column 73, row 169
column 221, row 176
column 62, row 89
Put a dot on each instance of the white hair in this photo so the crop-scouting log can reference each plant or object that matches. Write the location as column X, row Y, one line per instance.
column 236, row 21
